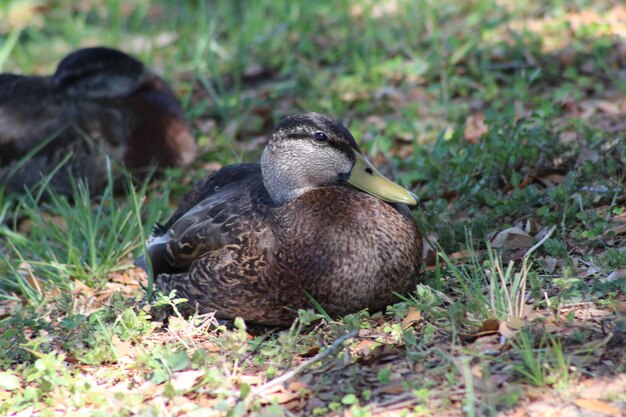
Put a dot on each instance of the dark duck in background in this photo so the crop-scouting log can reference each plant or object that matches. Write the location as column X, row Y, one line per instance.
column 313, row 217
column 99, row 104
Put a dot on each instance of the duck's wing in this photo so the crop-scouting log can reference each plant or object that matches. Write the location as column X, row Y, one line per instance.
column 211, row 185
column 220, row 210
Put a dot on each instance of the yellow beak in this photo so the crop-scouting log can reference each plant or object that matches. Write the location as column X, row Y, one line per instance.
column 365, row 177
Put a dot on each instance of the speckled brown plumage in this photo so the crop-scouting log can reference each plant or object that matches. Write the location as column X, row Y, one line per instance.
column 99, row 103
column 232, row 248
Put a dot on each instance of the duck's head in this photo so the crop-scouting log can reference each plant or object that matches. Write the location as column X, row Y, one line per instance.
column 100, row 73
column 310, row 150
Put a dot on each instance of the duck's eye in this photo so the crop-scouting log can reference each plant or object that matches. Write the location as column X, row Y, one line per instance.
column 320, row 136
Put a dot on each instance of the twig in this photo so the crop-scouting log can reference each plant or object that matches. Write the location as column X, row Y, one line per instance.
column 543, row 239
column 295, row 371
column 399, row 399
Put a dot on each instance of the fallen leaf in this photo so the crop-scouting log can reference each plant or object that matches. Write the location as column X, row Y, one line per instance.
column 124, row 349
column 488, row 328
column 7, row 307
column 617, row 274
column 614, row 231
column 619, row 307
column 475, row 127
column 460, row 255
column 511, row 238
column 488, row 345
column 555, row 178
column 510, row 328
column 9, row 382
column 251, row 379
column 549, row 264
column 619, row 218
column 601, row 388
column 184, row 381
column 598, row 405
column 393, row 388
column 413, row 316
column 365, row 346
column 586, row 154
column 608, row 106
column 312, row 351
column 587, row 272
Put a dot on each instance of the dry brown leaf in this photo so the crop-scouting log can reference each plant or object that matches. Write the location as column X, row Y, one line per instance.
column 488, row 345
column 586, row 154
column 7, row 307
column 460, row 255
column 568, row 137
column 477, row 371
column 297, row 386
column 184, row 381
column 475, row 127
column 549, row 264
column 312, row 351
column 393, row 389
column 614, row 231
column 555, row 178
column 619, row 218
column 365, row 346
column 599, row 406
column 510, row 328
column 587, row 272
column 281, row 397
column 511, row 238
column 413, row 316
column 255, row 379
column 488, row 328
column 601, row 388
column 619, row 307
column 124, row 349
column 609, row 106
column 617, row 274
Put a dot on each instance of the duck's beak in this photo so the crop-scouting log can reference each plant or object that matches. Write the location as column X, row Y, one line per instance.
column 365, row 177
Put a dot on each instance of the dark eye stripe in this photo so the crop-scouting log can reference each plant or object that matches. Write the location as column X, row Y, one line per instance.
column 344, row 147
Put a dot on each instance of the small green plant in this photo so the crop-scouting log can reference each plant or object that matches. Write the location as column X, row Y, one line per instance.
column 532, row 368
column 493, row 291
column 544, row 363
column 83, row 238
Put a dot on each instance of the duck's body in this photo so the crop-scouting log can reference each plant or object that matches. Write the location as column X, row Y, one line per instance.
column 99, row 104
column 242, row 244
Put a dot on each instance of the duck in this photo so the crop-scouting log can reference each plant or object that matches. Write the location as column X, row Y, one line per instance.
column 312, row 222
column 100, row 106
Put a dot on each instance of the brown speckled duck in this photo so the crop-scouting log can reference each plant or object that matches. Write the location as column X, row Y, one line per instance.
column 100, row 102
column 314, row 216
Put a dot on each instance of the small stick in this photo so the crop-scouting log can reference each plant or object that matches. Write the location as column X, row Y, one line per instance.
column 543, row 239
column 295, row 371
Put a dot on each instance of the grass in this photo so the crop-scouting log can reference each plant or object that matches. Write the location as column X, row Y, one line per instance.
column 498, row 115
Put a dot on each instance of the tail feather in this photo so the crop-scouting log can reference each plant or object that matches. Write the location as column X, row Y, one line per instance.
column 155, row 260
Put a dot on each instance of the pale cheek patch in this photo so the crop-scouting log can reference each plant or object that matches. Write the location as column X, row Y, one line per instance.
column 299, row 166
